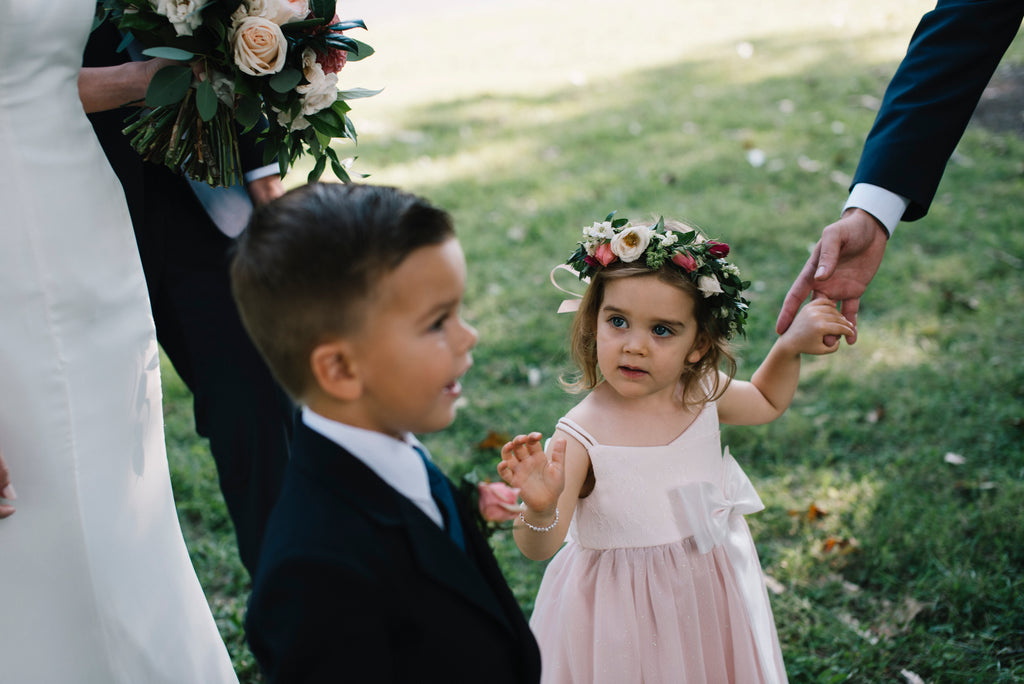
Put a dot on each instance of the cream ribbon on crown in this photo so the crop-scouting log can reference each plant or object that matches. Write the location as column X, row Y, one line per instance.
column 568, row 305
column 715, row 514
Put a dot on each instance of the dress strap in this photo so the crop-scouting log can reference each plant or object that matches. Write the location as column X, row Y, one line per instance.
column 581, row 435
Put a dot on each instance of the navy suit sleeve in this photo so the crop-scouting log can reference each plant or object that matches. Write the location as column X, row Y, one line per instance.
column 930, row 100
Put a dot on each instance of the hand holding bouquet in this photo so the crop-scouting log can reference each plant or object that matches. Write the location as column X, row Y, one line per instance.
column 268, row 65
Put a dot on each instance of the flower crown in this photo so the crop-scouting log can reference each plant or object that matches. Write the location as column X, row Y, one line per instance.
column 701, row 259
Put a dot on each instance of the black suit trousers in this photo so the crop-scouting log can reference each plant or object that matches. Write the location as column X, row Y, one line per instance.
column 238, row 405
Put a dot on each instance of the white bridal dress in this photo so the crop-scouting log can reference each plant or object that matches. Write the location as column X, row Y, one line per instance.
column 95, row 581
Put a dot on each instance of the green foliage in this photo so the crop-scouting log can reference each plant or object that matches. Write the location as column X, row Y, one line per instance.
column 884, row 554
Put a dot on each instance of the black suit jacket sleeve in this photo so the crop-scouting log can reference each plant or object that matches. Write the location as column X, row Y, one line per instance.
column 931, row 98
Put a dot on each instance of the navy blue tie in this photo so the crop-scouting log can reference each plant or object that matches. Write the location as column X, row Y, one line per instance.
column 442, row 494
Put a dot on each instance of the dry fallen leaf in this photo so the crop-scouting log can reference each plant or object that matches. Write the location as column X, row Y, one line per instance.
column 493, row 440
column 812, row 513
column 841, row 545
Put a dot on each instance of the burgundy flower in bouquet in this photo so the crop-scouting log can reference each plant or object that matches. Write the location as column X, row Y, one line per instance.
column 265, row 65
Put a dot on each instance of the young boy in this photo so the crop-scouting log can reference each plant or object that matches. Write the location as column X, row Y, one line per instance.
column 352, row 294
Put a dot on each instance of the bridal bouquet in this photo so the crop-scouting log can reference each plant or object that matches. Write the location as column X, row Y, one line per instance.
column 265, row 65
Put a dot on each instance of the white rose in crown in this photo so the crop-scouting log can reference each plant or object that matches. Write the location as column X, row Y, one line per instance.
column 630, row 244
column 260, row 46
column 185, row 15
column 709, row 285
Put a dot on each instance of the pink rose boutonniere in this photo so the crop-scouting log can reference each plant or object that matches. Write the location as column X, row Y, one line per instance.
column 498, row 501
column 494, row 504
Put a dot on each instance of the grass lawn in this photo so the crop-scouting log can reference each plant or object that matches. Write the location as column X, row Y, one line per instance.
column 895, row 504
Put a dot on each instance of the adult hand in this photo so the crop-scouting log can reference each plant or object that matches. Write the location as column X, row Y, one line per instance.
column 264, row 189
column 110, row 87
column 842, row 264
column 6, row 489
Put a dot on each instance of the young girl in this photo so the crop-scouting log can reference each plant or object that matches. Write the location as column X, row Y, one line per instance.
column 660, row 580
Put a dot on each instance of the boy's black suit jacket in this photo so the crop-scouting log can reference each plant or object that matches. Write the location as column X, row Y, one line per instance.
column 356, row 584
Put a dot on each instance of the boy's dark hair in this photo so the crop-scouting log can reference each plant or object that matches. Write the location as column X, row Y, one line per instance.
column 307, row 264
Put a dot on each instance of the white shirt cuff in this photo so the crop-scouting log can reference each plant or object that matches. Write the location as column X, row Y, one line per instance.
column 261, row 172
column 886, row 206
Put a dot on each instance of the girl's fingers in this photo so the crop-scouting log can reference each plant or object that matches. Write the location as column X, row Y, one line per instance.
column 558, row 451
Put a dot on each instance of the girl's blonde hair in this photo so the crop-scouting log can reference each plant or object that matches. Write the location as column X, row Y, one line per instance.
column 700, row 382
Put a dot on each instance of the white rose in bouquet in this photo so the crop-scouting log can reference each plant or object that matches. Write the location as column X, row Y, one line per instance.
column 322, row 90
column 259, row 46
column 184, row 15
column 284, row 11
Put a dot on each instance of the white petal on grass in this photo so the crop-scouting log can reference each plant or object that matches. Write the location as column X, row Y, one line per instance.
column 756, row 158
column 745, row 50
column 954, row 459
column 840, row 178
column 809, row 165
column 911, row 677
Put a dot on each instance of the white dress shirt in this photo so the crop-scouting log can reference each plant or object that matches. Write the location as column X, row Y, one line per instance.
column 884, row 205
column 395, row 461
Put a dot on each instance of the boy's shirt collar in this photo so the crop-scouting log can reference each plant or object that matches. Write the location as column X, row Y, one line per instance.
column 394, row 461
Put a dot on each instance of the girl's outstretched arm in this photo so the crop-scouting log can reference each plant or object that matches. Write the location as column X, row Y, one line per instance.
column 769, row 392
column 549, row 485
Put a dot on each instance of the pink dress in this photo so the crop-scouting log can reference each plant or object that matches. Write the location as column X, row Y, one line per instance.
column 659, row 580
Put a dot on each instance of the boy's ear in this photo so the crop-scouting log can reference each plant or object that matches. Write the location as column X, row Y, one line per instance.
column 334, row 367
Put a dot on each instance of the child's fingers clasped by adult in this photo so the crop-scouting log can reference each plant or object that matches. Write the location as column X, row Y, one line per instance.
column 524, row 465
column 818, row 327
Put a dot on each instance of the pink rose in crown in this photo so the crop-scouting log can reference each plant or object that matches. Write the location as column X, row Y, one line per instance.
column 604, row 253
column 498, row 501
column 684, row 261
column 718, row 250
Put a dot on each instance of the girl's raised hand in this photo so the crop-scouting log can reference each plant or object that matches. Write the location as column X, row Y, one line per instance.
column 525, row 465
column 818, row 320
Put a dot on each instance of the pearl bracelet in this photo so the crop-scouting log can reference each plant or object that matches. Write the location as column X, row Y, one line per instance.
column 550, row 527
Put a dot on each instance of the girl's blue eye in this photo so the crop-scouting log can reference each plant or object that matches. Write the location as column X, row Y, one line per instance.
column 617, row 322
column 661, row 331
